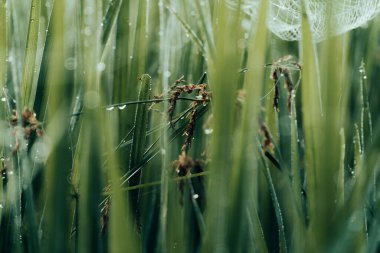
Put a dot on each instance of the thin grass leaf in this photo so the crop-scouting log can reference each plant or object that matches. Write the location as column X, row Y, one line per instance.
column 31, row 52
column 139, row 141
column 365, row 119
column 205, row 25
column 113, row 9
column 257, row 235
column 277, row 208
column 311, row 112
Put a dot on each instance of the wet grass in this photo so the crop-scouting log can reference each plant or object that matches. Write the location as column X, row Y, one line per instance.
column 164, row 126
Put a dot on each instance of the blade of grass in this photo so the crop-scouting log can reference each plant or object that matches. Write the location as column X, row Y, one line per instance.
column 223, row 79
column 243, row 149
column 311, row 114
column 3, row 43
column 31, row 52
column 164, row 45
column 109, row 20
column 121, row 235
column 188, row 29
column 277, row 208
column 91, row 160
column 139, row 141
column 322, row 140
column 58, row 163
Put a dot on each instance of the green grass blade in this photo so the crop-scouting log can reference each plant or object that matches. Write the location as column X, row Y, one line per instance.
column 90, row 153
column 113, row 9
column 139, row 140
column 189, row 30
column 58, row 166
column 277, row 208
column 310, row 112
column 3, row 43
column 31, row 52
column 223, row 80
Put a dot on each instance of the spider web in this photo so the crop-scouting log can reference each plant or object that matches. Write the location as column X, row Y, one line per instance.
column 284, row 18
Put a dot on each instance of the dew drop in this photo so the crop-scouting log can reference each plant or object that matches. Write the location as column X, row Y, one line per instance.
column 87, row 31
column 122, row 107
column 3, row 99
column 209, row 130
column 10, row 172
column 364, row 77
column 91, row 99
column 100, row 67
column 1, row 206
column 110, row 108
column 163, row 151
column 70, row 63
column 167, row 73
column 195, row 196
column 88, row 10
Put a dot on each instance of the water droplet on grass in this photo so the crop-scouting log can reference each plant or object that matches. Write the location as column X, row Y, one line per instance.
column 100, row 66
column 91, row 99
column 88, row 10
column 110, row 108
column 195, row 196
column 70, row 63
column 87, row 31
column 209, row 130
column 167, row 73
column 122, row 107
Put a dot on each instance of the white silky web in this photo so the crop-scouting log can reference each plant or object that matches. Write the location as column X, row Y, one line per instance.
column 284, row 18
